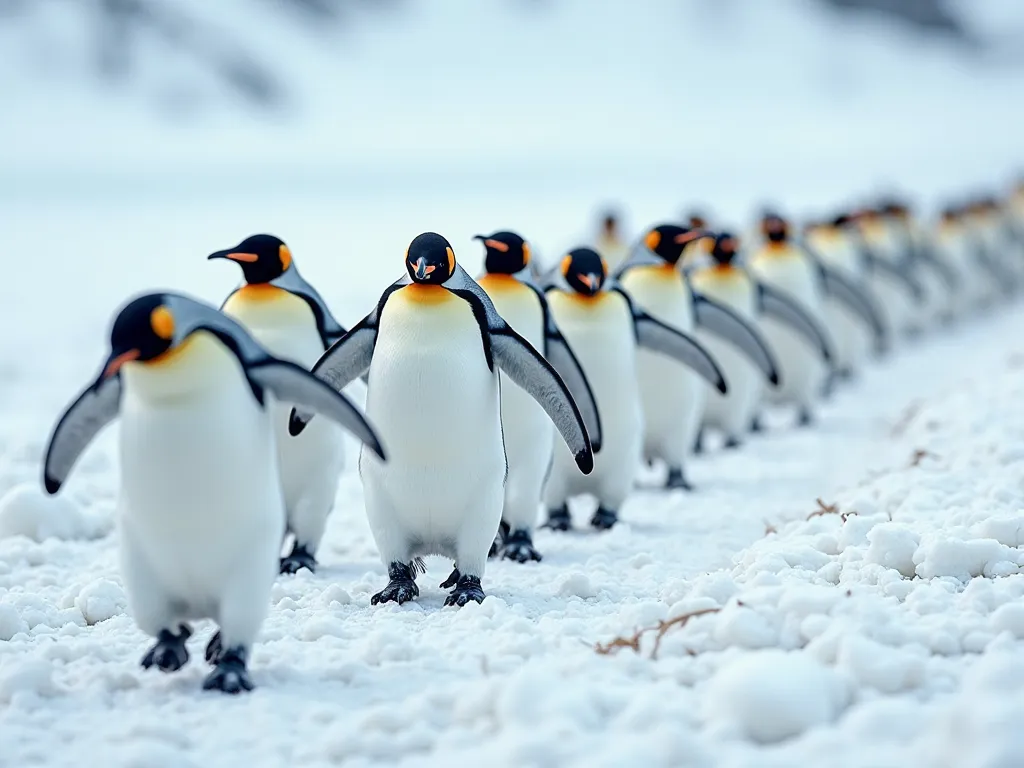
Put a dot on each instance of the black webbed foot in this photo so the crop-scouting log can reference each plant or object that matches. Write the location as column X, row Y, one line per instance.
column 452, row 580
column 214, row 648
column 169, row 654
column 401, row 588
column 499, row 539
column 755, row 425
column 299, row 558
column 519, row 547
column 732, row 443
column 230, row 674
column 676, row 480
column 467, row 589
column 604, row 519
column 559, row 519
column 805, row 418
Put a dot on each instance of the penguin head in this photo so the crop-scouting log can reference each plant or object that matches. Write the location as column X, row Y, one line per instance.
column 774, row 227
column 584, row 270
column 430, row 259
column 610, row 224
column 143, row 331
column 669, row 240
column 507, row 253
column 724, row 249
column 263, row 258
column 696, row 220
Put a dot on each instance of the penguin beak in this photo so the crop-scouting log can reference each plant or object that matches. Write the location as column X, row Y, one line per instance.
column 692, row 235
column 422, row 268
column 249, row 258
column 114, row 362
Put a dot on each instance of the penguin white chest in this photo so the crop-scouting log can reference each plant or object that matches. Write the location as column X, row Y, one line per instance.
column 436, row 407
column 199, row 484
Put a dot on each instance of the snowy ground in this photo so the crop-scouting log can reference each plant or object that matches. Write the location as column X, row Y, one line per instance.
column 900, row 613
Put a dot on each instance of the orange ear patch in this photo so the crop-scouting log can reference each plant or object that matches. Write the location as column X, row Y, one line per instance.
column 451, row 260
column 162, row 322
column 286, row 257
column 566, row 264
column 496, row 245
column 653, row 239
column 526, row 254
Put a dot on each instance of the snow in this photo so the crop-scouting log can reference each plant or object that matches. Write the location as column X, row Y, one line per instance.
column 26, row 510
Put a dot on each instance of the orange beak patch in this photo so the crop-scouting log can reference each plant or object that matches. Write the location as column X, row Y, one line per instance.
column 497, row 245
column 115, row 365
column 689, row 237
column 250, row 258
column 590, row 281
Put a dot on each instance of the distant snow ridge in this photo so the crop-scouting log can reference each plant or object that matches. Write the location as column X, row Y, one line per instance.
column 890, row 589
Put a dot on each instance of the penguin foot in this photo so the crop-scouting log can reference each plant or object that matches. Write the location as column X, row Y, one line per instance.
column 452, row 579
column 732, row 443
column 299, row 558
column 559, row 519
column 230, row 674
column 467, row 589
column 169, row 654
column 604, row 519
column 400, row 589
column 499, row 540
column 214, row 648
column 805, row 418
column 676, row 480
column 519, row 547
column 756, row 425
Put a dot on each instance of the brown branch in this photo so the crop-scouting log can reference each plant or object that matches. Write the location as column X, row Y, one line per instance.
column 919, row 455
column 824, row 509
column 662, row 627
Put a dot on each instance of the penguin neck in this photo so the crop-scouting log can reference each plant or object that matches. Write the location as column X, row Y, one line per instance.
column 499, row 280
column 427, row 294
column 199, row 364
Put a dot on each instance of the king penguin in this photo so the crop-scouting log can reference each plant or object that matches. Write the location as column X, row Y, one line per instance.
column 529, row 438
column 199, row 511
column 673, row 396
column 287, row 316
column 606, row 327
column 786, row 269
column 433, row 347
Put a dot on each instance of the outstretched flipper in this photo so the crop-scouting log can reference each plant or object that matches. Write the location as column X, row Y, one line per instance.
column 91, row 411
column 658, row 337
column 777, row 305
column 721, row 320
column 839, row 287
column 517, row 358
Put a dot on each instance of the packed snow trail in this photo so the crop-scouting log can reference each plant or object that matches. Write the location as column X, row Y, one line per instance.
column 512, row 681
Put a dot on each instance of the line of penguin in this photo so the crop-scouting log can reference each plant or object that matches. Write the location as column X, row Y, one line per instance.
column 464, row 378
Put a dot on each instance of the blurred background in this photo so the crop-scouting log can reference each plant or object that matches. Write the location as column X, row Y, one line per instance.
column 139, row 135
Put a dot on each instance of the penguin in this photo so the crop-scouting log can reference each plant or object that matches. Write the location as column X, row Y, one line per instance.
column 200, row 509
column 781, row 266
column 288, row 317
column 891, row 276
column 952, row 244
column 609, row 242
column 852, row 316
column 728, row 283
column 529, row 439
column 433, row 347
column 606, row 328
column 697, row 253
column 673, row 396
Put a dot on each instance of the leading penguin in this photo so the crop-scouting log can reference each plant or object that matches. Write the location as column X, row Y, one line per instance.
column 199, row 511
column 673, row 397
column 433, row 347
column 529, row 439
column 606, row 328
column 287, row 316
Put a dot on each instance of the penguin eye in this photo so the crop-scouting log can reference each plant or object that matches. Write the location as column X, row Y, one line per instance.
column 286, row 257
column 162, row 322
column 653, row 239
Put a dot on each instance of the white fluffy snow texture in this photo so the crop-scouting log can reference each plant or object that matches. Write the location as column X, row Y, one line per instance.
column 877, row 633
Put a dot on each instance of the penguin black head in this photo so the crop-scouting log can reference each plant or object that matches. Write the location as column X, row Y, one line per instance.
column 262, row 257
column 697, row 220
column 775, row 228
column 669, row 240
column 724, row 249
column 841, row 221
column 610, row 224
column 584, row 270
column 142, row 331
column 430, row 259
column 507, row 253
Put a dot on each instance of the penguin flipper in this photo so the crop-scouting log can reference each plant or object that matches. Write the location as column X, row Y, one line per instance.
column 723, row 321
column 291, row 384
column 345, row 360
column 899, row 272
column 656, row 336
column 293, row 282
column 517, row 358
column 926, row 255
column 839, row 287
column 91, row 411
column 779, row 306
